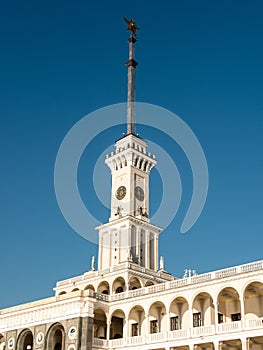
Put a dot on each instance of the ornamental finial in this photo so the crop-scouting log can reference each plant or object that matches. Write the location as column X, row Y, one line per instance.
column 131, row 26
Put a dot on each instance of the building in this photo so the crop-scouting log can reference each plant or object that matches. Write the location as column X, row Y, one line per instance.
column 130, row 301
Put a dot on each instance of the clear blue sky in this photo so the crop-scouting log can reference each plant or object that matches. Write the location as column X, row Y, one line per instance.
column 61, row 60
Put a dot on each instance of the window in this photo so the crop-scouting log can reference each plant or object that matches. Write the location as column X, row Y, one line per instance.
column 135, row 330
column 197, row 320
column 174, row 323
column 220, row 318
column 154, row 326
column 236, row 317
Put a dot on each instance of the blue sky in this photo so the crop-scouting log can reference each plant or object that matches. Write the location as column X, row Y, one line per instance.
column 61, row 60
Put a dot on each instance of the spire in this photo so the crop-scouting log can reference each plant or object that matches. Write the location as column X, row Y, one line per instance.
column 131, row 65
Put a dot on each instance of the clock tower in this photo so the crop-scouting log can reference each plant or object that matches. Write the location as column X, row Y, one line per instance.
column 129, row 235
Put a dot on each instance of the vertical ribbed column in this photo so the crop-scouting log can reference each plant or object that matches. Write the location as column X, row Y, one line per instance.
column 131, row 65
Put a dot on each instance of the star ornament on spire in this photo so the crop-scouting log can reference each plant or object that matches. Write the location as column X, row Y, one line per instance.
column 131, row 26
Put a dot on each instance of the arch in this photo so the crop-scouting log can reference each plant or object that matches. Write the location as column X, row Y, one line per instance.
column 55, row 339
column 124, row 161
column 229, row 308
column 207, row 346
column 137, row 321
column 118, row 285
column 179, row 314
column 134, row 283
column 75, row 290
column 203, row 310
column 2, row 342
column 233, row 344
column 149, row 283
column 116, row 324
column 103, row 288
column 62, row 293
column 253, row 300
column 157, row 315
column 90, row 286
column 256, row 343
column 25, row 340
column 99, row 324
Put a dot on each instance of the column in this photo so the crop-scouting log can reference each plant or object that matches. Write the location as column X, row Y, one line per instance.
column 137, row 248
column 156, row 262
column 218, row 345
column 100, row 252
column 147, row 325
column 245, row 343
column 216, row 316
column 125, row 330
column 191, row 317
column 242, row 307
column 146, row 248
column 108, row 329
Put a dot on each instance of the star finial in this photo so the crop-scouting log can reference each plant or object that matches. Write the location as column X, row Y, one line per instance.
column 131, row 26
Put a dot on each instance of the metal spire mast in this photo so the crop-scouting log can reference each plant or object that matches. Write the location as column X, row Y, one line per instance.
column 131, row 65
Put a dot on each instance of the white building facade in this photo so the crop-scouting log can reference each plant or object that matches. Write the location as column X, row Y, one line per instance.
column 130, row 302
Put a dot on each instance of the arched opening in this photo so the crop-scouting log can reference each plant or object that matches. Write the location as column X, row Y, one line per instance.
column 136, row 320
column 234, row 344
column 253, row 297
column 228, row 305
column 2, row 342
column 134, row 283
column 203, row 310
column 99, row 324
column 205, row 346
column 58, row 340
column 104, row 288
column 157, row 313
column 75, row 290
column 55, row 339
column 256, row 343
column 62, row 293
column 90, row 287
column 118, row 285
column 179, row 314
column 149, row 283
column 124, row 161
column 117, row 323
column 25, row 340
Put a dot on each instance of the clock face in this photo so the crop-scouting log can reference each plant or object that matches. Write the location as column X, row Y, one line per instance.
column 121, row 192
column 139, row 193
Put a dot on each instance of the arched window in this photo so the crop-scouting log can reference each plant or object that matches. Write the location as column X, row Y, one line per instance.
column 55, row 339
column 25, row 340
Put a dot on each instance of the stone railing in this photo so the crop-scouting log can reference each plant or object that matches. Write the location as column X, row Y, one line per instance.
column 128, row 146
column 171, row 336
column 126, row 265
column 220, row 274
